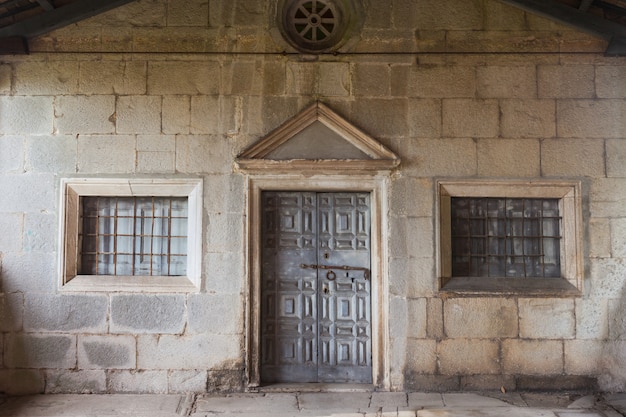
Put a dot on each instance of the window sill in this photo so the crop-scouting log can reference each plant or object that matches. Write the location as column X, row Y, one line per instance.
column 107, row 283
column 527, row 287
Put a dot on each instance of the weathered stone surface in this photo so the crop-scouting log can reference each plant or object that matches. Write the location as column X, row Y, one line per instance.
column 418, row 281
column 11, row 311
column 145, row 382
column 372, row 80
column 16, row 115
column 46, row 78
column 546, row 318
column 381, row 117
column 591, row 118
column 11, row 239
column 5, row 79
column 424, row 118
column 604, row 278
column 55, row 154
column 470, row 118
column 176, row 114
column 147, row 313
column 409, row 318
column 610, row 81
column 500, row 157
column 187, row 381
column 565, row 81
column 592, row 318
column 599, row 245
column 100, row 154
column 138, row 115
column 468, row 356
column 28, row 272
column 202, row 351
column 227, row 273
column 439, row 157
column 528, row 119
column 412, row 356
column 506, row 82
column 580, row 157
column 107, row 352
column 113, row 77
column 11, row 154
column 532, row 357
column 75, row 382
column 39, row 351
column 85, row 114
column 607, row 197
column 584, row 357
column 191, row 78
column 615, row 158
column 617, row 318
column 205, row 310
column 434, row 81
column 480, row 318
column 195, row 154
column 65, row 313
column 21, row 381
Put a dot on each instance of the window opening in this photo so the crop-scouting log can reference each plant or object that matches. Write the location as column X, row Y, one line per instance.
column 143, row 236
column 505, row 237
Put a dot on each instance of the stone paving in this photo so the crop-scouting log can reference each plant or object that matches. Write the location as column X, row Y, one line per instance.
column 334, row 404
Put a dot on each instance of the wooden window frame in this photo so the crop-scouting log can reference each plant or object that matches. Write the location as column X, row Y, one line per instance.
column 571, row 255
column 72, row 189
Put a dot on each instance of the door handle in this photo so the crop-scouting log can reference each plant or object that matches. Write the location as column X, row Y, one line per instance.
column 366, row 271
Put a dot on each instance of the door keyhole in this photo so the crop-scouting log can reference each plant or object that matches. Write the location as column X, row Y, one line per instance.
column 326, row 255
column 326, row 289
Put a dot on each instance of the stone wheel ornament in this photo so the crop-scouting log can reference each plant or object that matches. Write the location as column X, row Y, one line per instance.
column 316, row 25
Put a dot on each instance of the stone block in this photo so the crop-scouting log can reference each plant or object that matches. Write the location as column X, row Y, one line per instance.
column 187, row 381
column 435, row 318
column 411, row 196
column 334, row 79
column 618, row 232
column 22, row 381
column 106, row 154
column 5, row 79
column 480, row 318
column 468, row 356
column 557, row 383
column 591, row 118
column 425, row 118
column 508, row 158
column 147, row 313
column 412, row 277
column 409, row 318
column 156, row 162
column 28, row 192
column 206, row 310
column 565, row 81
column 65, row 313
column 487, row 42
column 617, row 318
column 273, row 78
column 189, row 78
column 487, row 382
column 140, row 382
column 224, row 272
column 546, row 318
column 584, row 357
column 29, row 272
column 40, row 232
column 11, row 239
column 301, row 78
column 75, row 382
column 176, row 115
column 190, row 13
column 572, row 157
column 107, row 352
column 371, row 80
column 423, row 400
column 49, row 77
column 610, row 81
column 592, row 318
column 55, row 154
column 434, row 81
column 450, row 14
column 381, row 117
column 431, row 383
column 85, row 114
column 532, row 357
column 599, row 238
column 11, row 312
column 207, row 154
column 500, row 16
column 271, row 113
column 615, row 158
column 225, row 232
column 528, row 119
column 518, row 81
column 470, row 118
column 138, row 114
column 224, row 193
column 613, row 377
column 412, row 237
column 606, row 277
column 439, row 157
column 206, row 115
column 188, row 352
column 607, row 197
column 12, row 154
column 226, row 380
column 16, row 115
column 113, row 77
column 39, row 351
column 413, row 356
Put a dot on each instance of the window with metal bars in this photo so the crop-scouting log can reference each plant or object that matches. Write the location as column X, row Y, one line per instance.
column 505, row 237
column 133, row 236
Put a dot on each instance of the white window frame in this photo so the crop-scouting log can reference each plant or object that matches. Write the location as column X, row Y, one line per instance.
column 72, row 189
column 571, row 253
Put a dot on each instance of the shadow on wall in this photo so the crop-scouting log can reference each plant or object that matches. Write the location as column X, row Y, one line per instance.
column 15, row 378
column 613, row 354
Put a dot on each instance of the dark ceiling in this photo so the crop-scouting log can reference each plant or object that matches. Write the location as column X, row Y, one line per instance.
column 21, row 20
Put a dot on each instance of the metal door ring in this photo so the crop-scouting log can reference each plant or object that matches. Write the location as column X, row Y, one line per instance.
column 330, row 275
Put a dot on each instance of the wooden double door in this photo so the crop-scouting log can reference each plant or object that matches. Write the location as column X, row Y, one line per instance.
column 316, row 287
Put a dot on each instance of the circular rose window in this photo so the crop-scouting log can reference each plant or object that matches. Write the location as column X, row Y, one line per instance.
column 314, row 25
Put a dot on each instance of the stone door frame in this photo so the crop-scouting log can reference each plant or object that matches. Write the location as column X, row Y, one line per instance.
column 377, row 186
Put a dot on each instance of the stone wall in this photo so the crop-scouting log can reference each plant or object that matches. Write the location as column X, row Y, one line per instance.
column 459, row 89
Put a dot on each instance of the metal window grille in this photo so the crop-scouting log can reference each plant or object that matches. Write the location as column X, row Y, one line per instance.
column 134, row 236
column 505, row 237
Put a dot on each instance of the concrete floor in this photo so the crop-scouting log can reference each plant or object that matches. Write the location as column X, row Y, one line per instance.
column 311, row 404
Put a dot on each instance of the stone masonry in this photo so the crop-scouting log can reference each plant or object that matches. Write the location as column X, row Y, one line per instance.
column 178, row 88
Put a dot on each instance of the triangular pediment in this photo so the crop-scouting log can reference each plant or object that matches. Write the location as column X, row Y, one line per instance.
column 317, row 139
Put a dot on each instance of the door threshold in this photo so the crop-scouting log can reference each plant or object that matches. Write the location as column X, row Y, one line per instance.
column 315, row 387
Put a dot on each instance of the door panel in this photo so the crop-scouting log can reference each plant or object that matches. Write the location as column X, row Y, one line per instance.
column 315, row 319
